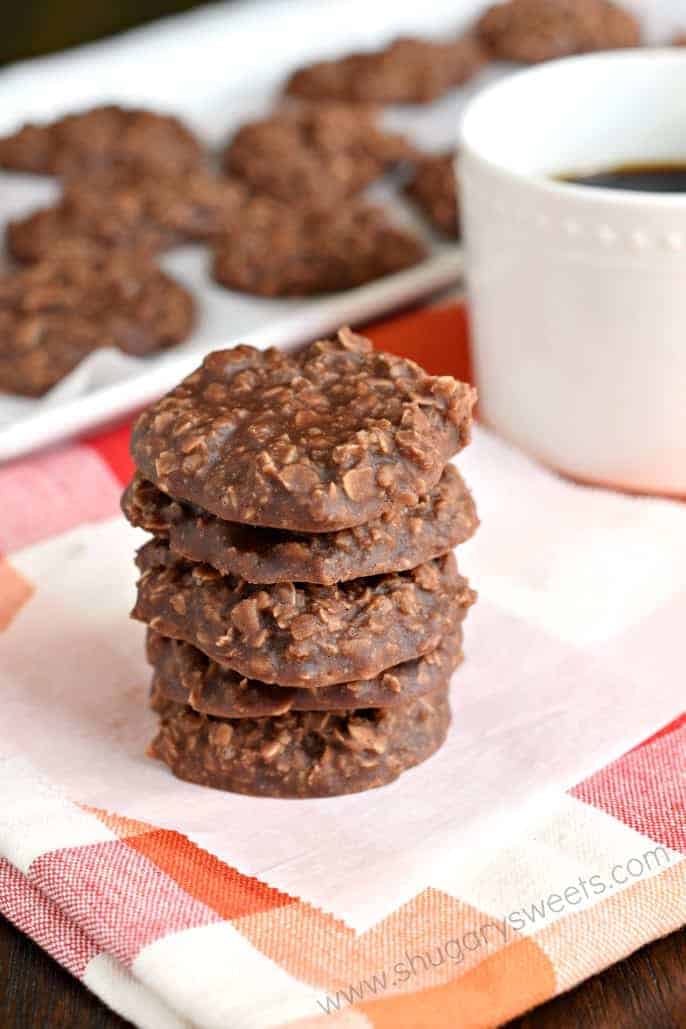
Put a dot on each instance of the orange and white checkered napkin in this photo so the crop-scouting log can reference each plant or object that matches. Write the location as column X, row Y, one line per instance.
column 541, row 844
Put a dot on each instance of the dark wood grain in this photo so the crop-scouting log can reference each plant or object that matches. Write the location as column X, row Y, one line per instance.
column 647, row 991
column 36, row 992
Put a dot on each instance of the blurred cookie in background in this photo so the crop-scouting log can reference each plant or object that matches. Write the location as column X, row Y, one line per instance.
column 57, row 312
column 432, row 187
column 94, row 211
column 407, row 71
column 100, row 137
column 128, row 207
column 530, row 31
column 314, row 153
column 278, row 250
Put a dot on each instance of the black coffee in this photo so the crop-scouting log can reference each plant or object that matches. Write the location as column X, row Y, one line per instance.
column 644, row 178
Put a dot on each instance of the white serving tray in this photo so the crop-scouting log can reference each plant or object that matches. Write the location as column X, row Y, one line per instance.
column 215, row 68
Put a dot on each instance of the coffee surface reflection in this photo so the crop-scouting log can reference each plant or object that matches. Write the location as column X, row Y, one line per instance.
column 642, row 178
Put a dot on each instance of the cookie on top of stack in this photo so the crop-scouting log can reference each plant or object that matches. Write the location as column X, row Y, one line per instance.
column 303, row 604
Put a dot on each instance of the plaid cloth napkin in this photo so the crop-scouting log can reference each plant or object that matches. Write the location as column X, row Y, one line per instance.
column 545, row 841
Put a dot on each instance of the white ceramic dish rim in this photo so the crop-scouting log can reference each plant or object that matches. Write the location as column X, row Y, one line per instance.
column 546, row 183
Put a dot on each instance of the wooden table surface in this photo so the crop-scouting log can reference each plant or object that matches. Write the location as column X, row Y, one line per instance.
column 647, row 991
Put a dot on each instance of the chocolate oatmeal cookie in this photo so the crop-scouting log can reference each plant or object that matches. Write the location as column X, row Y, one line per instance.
column 100, row 137
column 400, row 538
column 85, row 213
column 186, row 676
column 300, row 253
column 300, row 754
column 55, row 313
column 298, row 634
column 129, row 208
column 316, row 441
column 540, row 30
column 433, row 189
column 197, row 205
column 407, row 71
column 314, row 154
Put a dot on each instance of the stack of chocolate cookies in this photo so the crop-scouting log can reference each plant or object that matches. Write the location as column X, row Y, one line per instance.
column 303, row 603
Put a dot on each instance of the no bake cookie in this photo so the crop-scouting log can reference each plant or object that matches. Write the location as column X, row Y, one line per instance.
column 407, row 71
column 129, row 208
column 306, row 252
column 433, row 188
column 186, row 676
column 58, row 311
column 100, row 137
column 298, row 634
column 300, row 754
column 401, row 538
column 316, row 441
column 540, row 30
column 314, row 154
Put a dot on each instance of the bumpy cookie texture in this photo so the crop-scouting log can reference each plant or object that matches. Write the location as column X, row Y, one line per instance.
column 117, row 219
column 300, row 754
column 197, row 205
column 407, row 71
column 314, row 154
column 540, row 30
column 298, row 634
column 303, row 252
column 432, row 187
column 315, row 441
column 55, row 313
column 129, row 208
column 401, row 538
column 100, row 137
column 186, row 676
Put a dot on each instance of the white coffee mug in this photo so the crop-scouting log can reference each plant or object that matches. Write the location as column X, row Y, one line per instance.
column 578, row 294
